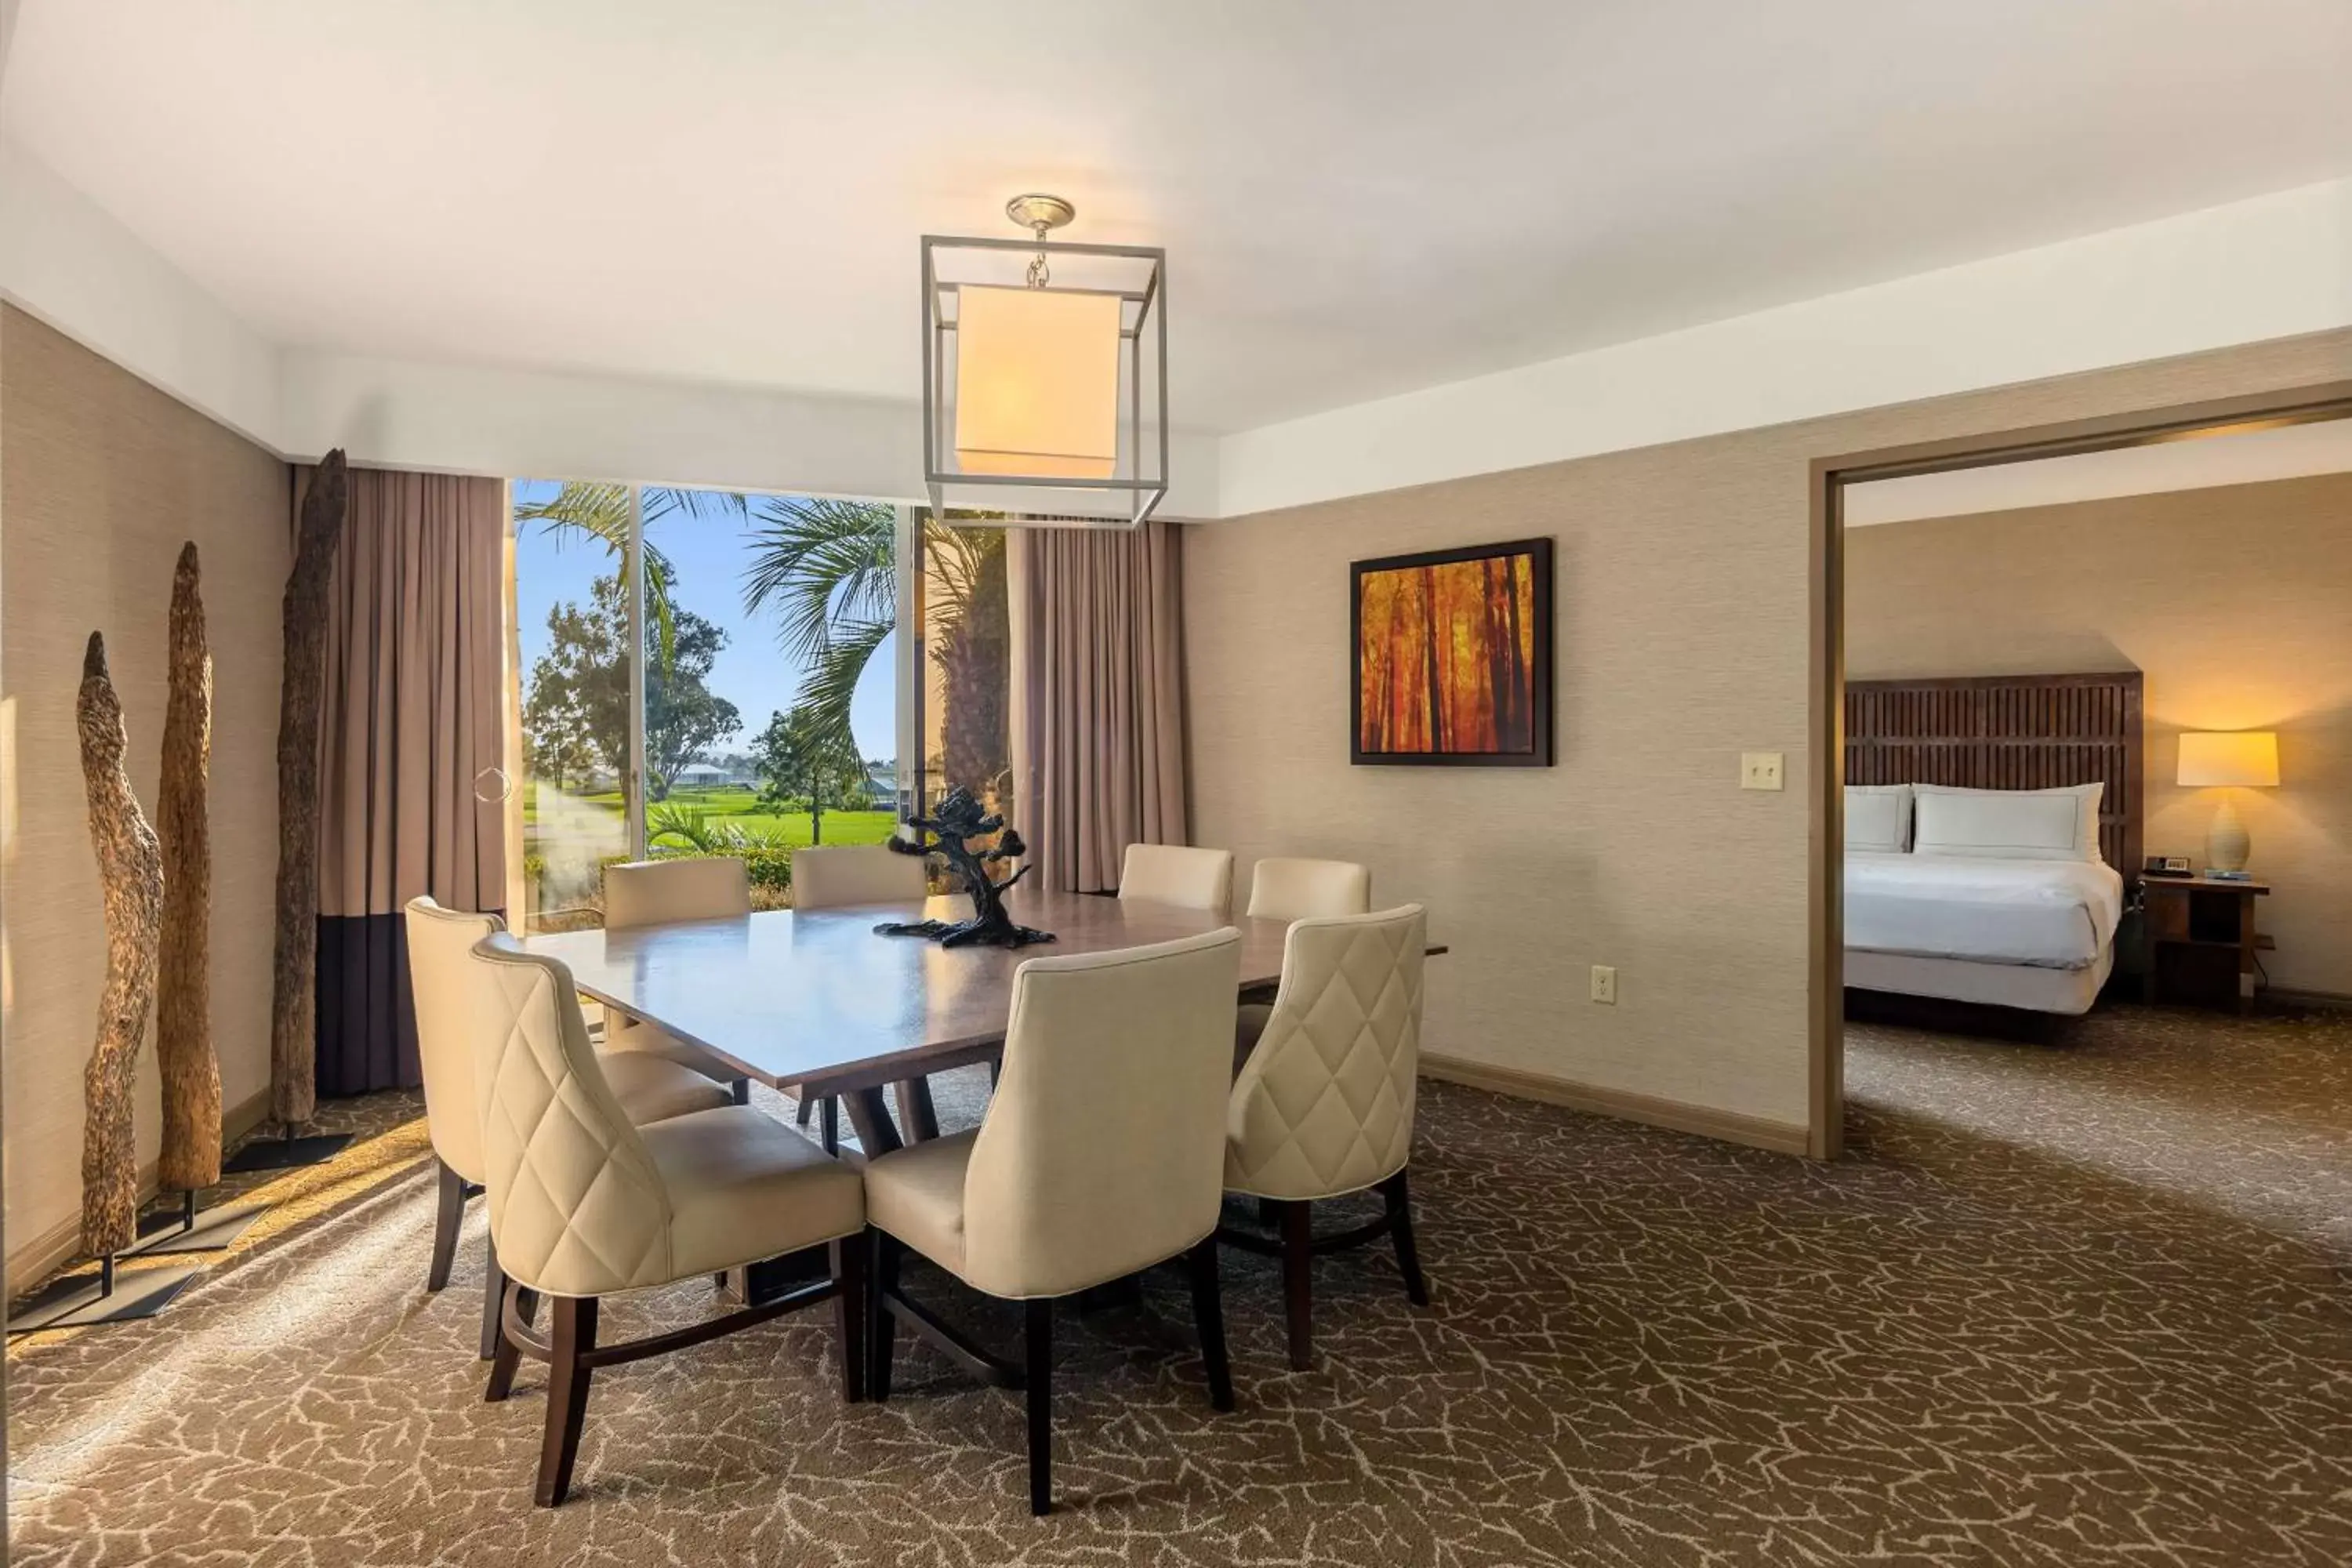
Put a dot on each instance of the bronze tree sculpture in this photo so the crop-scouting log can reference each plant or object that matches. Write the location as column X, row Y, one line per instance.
column 131, row 880
column 960, row 820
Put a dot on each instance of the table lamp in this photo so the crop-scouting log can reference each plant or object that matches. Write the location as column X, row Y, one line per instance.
column 2228, row 760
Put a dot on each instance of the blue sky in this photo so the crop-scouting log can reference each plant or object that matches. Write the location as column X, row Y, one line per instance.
column 706, row 554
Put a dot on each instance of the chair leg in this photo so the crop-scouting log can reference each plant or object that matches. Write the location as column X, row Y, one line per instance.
column 850, row 1256
column 1209, row 1318
column 447, row 1219
column 494, row 1293
column 881, row 1328
column 1400, row 1205
column 573, row 1333
column 505, row 1355
column 743, row 1090
column 1298, row 1279
column 1037, row 1381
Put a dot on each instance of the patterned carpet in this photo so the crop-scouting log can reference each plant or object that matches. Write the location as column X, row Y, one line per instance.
column 2080, row 1302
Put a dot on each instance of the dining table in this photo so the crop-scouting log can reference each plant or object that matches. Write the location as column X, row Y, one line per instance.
column 819, row 1004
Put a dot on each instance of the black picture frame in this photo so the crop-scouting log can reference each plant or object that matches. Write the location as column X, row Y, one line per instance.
column 1541, row 753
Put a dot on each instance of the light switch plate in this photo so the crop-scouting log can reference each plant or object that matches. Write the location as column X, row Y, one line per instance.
column 1604, row 983
column 1760, row 770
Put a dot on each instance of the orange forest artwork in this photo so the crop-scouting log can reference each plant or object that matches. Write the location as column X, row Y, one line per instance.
column 1445, row 661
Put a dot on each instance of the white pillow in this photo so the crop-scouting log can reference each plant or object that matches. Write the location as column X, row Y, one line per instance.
column 1878, row 818
column 2011, row 824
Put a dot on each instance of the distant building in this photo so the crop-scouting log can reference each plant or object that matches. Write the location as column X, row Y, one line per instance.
column 707, row 774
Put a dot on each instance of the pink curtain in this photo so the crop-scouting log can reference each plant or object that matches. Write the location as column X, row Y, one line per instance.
column 1099, row 698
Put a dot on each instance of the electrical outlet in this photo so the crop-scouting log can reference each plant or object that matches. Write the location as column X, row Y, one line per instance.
column 1760, row 770
column 1604, row 983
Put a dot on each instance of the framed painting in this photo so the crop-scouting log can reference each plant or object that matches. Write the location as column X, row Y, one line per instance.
column 1453, row 657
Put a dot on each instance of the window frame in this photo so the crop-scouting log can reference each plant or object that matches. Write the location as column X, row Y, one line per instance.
column 907, row 675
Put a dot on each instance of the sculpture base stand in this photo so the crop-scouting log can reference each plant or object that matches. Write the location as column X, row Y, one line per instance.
column 186, row 1229
column 286, row 1152
column 1001, row 932
column 109, row 1296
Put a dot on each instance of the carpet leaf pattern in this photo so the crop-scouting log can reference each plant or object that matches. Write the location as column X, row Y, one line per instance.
column 2086, row 1301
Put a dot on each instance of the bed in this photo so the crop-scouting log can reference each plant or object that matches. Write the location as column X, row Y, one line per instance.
column 1944, row 905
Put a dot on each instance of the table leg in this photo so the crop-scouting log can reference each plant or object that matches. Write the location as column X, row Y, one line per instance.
column 917, row 1115
column 869, row 1114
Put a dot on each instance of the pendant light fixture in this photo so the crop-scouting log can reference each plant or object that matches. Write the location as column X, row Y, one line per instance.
column 1045, row 373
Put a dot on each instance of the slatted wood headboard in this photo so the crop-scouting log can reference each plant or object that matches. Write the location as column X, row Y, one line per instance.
column 2008, row 731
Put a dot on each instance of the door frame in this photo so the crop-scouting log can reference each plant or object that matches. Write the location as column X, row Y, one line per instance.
column 1826, row 1101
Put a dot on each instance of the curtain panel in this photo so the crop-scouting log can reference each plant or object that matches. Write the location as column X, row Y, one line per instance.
column 1097, row 713
column 410, row 745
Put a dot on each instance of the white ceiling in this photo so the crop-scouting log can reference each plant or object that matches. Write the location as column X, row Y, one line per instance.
column 2202, row 462
column 1358, row 199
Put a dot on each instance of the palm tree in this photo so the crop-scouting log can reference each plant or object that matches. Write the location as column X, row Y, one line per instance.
column 601, row 512
column 830, row 570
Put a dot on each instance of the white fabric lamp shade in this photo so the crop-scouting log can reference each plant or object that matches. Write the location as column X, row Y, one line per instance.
column 2210, row 758
column 2228, row 759
column 1036, row 383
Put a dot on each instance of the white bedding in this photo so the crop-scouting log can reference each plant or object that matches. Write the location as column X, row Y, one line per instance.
column 2054, row 914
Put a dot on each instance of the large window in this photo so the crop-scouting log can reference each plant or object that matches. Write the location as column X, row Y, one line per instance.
column 749, row 698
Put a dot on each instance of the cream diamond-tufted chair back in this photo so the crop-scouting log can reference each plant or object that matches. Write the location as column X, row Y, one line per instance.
column 1101, row 1150
column 1284, row 889
column 447, row 990
column 855, row 874
column 1324, row 1105
column 577, row 1206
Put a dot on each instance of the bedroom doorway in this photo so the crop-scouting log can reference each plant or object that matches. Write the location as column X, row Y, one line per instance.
column 2033, row 622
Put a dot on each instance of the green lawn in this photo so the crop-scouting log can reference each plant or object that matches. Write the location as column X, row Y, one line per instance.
column 736, row 807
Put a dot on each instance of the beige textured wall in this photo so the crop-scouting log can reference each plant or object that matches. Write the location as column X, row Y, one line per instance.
column 2236, row 604
column 104, row 477
column 1683, row 616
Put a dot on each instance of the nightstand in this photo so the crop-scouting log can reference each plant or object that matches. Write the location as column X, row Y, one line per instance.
column 2201, row 940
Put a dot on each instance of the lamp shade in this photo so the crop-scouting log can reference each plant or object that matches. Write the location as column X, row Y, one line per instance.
column 2234, row 757
column 1037, row 382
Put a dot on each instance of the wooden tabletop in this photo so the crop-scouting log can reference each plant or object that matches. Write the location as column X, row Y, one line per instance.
column 2201, row 883
column 815, row 1002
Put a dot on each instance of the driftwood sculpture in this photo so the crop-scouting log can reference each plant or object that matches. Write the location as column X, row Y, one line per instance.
column 961, row 819
column 293, row 1023
column 184, row 1031
column 131, row 877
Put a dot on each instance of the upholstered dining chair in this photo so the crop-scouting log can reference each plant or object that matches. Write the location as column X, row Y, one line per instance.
column 451, row 1003
column 585, row 1205
column 1295, row 890
column 661, row 892
column 1323, row 1107
column 1173, row 874
column 832, row 876
column 1100, row 1155
column 828, row 877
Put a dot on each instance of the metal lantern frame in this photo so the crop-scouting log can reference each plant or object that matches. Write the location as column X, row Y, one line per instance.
column 1142, row 472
